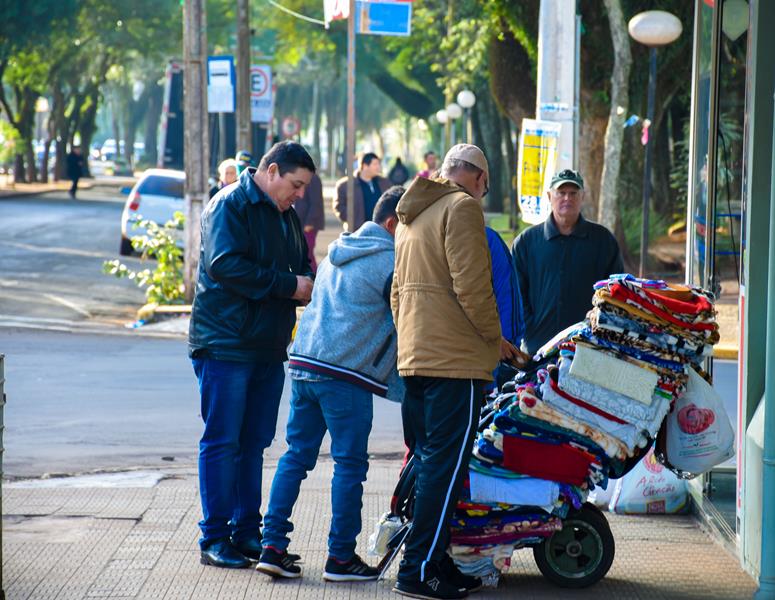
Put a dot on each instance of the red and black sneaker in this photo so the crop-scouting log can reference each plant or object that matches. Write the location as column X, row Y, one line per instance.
column 352, row 570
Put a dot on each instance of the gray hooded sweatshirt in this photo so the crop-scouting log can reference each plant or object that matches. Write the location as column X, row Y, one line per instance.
column 347, row 331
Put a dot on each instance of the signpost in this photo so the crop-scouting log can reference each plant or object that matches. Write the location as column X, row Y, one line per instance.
column 384, row 18
column 220, row 84
column 261, row 94
column 291, row 127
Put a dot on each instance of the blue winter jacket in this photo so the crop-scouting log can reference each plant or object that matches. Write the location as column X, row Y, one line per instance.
column 347, row 330
column 505, row 283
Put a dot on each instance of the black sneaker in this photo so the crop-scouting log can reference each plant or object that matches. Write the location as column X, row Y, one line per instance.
column 435, row 587
column 277, row 564
column 457, row 578
column 352, row 570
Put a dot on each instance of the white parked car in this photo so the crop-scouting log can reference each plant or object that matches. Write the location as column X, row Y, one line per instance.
column 156, row 196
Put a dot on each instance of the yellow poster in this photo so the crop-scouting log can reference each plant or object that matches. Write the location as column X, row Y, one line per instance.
column 537, row 160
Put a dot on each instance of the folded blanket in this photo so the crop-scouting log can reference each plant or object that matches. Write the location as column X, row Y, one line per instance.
column 524, row 492
column 626, row 433
column 645, row 418
column 531, row 405
column 610, row 373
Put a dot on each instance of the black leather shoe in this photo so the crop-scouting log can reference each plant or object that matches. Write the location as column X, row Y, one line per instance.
column 222, row 554
column 250, row 547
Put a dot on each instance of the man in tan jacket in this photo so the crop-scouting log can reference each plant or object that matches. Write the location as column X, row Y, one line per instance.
column 449, row 342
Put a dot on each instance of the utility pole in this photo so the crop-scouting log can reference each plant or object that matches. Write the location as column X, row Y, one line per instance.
column 243, row 76
column 350, row 152
column 196, row 136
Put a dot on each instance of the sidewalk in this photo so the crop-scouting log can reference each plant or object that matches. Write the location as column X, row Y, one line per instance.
column 141, row 542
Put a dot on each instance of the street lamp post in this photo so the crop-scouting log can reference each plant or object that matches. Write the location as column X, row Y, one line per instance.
column 466, row 99
column 454, row 112
column 652, row 28
column 442, row 118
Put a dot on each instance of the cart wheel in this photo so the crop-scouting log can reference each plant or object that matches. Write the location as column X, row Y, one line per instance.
column 581, row 553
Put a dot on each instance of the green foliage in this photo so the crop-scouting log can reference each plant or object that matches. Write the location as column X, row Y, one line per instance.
column 164, row 284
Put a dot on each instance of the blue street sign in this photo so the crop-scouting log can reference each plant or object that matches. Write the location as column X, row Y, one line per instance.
column 383, row 18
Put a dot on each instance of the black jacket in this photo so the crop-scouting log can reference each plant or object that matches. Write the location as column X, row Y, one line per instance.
column 75, row 164
column 250, row 256
column 557, row 274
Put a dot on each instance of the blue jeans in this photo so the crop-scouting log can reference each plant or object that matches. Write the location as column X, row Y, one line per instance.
column 240, row 401
column 346, row 412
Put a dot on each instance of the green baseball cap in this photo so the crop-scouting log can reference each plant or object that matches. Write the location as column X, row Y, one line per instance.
column 567, row 176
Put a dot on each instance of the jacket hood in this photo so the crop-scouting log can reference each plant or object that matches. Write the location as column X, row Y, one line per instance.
column 370, row 238
column 421, row 194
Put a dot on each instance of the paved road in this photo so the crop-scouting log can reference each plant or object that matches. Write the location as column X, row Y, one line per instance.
column 51, row 254
column 78, row 403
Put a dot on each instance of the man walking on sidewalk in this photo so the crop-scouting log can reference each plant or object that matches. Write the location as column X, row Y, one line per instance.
column 253, row 273
column 75, row 168
column 449, row 342
column 345, row 351
column 369, row 186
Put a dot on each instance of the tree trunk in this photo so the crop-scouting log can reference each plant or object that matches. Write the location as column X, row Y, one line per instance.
column 18, row 168
column 317, row 114
column 620, row 76
column 487, row 132
column 88, row 124
column 591, row 151
column 152, row 116
column 114, row 123
column 25, row 125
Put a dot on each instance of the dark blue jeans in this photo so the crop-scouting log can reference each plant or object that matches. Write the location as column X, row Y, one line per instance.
column 346, row 411
column 240, row 401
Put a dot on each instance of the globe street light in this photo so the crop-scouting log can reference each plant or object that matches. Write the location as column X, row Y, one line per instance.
column 652, row 28
column 442, row 118
column 454, row 112
column 467, row 99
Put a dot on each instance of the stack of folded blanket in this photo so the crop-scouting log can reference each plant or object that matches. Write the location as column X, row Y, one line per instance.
column 598, row 396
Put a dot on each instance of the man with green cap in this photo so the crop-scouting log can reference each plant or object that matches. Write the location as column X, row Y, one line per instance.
column 244, row 160
column 558, row 261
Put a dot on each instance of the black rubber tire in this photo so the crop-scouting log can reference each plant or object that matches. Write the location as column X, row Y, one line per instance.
column 581, row 553
column 126, row 247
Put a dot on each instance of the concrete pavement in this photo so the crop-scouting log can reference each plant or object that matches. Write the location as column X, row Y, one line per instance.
column 117, row 541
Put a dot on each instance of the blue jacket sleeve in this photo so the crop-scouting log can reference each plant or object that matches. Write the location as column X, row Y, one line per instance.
column 506, row 288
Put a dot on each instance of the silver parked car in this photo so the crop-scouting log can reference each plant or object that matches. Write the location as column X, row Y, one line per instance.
column 156, row 196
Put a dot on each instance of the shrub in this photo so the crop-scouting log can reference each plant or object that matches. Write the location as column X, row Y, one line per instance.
column 164, row 284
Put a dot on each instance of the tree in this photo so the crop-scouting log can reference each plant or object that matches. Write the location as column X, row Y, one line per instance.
column 617, row 114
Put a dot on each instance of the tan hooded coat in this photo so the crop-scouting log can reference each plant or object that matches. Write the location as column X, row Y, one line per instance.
column 442, row 296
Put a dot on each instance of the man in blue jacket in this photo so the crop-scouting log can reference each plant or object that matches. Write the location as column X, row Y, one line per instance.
column 253, row 273
column 345, row 351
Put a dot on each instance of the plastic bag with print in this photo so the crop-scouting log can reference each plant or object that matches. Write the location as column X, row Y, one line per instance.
column 650, row 488
column 699, row 435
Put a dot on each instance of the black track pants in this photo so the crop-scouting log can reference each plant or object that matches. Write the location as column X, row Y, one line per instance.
column 443, row 415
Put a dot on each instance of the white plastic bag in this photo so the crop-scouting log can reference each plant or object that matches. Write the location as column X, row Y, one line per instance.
column 602, row 497
column 384, row 529
column 650, row 488
column 699, row 434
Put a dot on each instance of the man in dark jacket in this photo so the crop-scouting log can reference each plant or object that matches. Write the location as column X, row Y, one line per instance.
column 75, row 166
column 312, row 216
column 253, row 273
column 559, row 260
column 369, row 186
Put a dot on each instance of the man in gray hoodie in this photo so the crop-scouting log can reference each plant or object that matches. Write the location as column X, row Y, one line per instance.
column 345, row 351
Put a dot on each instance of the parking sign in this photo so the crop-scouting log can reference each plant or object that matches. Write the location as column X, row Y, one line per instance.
column 261, row 105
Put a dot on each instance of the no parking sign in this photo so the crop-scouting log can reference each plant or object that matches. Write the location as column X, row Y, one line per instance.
column 261, row 101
